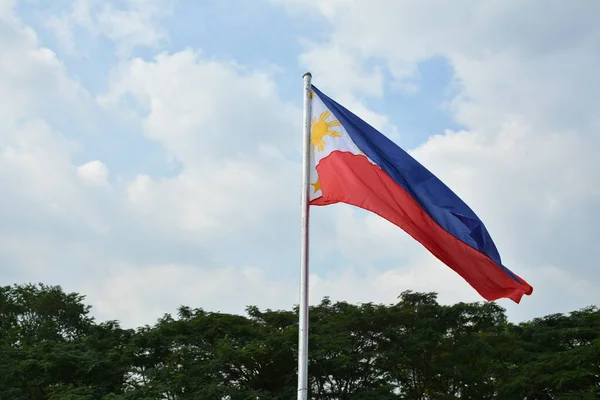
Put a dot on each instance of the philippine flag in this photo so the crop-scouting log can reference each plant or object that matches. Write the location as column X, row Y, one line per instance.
column 353, row 163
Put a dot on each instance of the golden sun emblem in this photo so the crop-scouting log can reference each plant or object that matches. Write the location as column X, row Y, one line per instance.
column 321, row 128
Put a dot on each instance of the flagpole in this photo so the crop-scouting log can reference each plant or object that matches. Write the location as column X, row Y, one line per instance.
column 303, row 311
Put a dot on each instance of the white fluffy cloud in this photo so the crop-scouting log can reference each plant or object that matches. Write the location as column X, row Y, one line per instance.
column 227, row 129
column 527, row 91
column 128, row 24
column 71, row 225
column 222, row 231
column 93, row 173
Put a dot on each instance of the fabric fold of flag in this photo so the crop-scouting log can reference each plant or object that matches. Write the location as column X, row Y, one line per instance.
column 353, row 163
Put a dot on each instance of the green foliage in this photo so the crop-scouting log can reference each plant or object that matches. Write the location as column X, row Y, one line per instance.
column 51, row 348
column 418, row 349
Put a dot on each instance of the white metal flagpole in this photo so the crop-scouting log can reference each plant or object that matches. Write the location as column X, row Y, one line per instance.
column 303, row 320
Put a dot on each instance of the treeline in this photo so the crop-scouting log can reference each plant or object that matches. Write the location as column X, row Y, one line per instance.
column 50, row 348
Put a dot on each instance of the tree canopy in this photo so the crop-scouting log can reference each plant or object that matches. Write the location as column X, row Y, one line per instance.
column 418, row 349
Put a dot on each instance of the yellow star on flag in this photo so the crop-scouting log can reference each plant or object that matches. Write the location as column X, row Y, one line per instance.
column 316, row 186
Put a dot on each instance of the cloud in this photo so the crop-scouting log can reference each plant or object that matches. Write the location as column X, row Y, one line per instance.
column 526, row 91
column 70, row 224
column 93, row 173
column 220, row 229
column 507, row 60
column 128, row 24
column 139, row 295
column 227, row 129
column 140, row 298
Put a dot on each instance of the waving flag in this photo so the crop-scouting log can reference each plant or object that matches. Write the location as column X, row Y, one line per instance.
column 353, row 163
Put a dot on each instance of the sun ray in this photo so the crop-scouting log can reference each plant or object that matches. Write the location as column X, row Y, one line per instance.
column 324, row 115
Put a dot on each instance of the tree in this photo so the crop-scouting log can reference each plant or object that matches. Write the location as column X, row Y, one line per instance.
column 558, row 357
column 344, row 351
column 51, row 348
column 416, row 349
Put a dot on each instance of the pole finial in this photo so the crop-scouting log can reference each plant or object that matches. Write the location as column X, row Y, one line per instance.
column 307, row 74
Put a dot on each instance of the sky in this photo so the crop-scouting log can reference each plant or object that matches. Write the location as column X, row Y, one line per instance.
column 150, row 150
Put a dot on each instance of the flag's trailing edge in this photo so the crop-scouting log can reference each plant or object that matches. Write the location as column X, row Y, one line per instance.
column 353, row 163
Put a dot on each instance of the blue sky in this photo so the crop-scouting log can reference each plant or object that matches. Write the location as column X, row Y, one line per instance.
column 153, row 160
